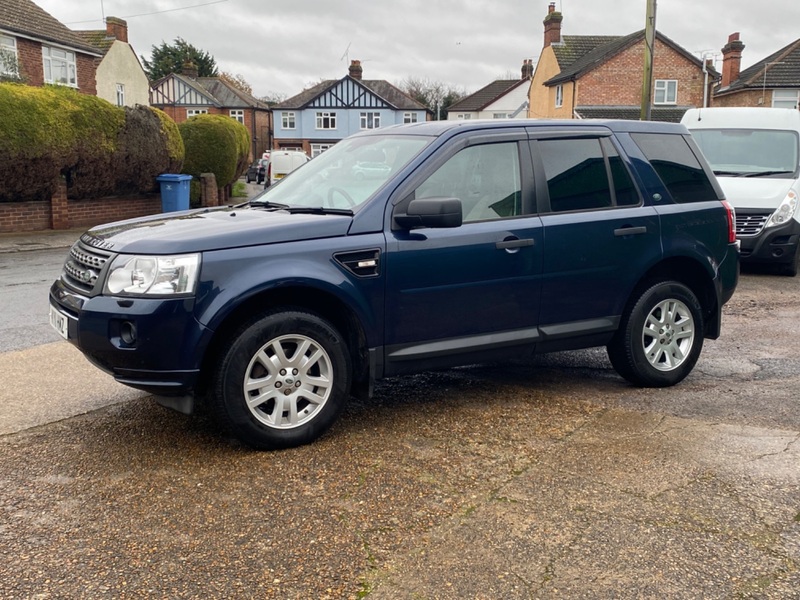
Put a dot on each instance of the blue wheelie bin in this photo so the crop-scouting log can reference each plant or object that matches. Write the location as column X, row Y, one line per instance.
column 174, row 191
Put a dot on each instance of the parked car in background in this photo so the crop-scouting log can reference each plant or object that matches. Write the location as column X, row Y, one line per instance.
column 371, row 170
column 257, row 171
column 488, row 241
column 755, row 154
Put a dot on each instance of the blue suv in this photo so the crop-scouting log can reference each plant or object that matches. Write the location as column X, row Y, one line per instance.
column 474, row 242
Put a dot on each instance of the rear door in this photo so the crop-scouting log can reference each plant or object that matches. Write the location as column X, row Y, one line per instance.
column 599, row 238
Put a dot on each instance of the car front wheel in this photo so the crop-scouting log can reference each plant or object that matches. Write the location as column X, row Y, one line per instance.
column 282, row 381
column 660, row 336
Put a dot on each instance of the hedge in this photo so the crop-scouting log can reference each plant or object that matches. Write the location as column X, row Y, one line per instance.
column 100, row 149
column 215, row 144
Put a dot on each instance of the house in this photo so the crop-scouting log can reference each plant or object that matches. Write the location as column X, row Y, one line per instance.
column 501, row 99
column 317, row 118
column 38, row 49
column 184, row 95
column 773, row 81
column 593, row 76
column 120, row 77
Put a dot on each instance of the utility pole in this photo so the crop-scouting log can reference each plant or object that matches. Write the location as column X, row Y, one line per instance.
column 649, row 47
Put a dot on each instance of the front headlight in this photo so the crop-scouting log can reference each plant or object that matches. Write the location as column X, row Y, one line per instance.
column 153, row 275
column 785, row 211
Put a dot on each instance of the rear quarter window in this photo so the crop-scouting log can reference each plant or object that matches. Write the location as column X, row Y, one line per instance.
column 677, row 166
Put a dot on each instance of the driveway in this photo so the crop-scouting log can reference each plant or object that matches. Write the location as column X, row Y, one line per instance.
column 551, row 479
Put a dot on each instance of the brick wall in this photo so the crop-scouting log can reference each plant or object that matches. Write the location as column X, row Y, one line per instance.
column 618, row 82
column 744, row 98
column 29, row 54
column 66, row 214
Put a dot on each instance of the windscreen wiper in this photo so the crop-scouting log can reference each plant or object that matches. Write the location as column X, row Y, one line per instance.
column 318, row 210
column 766, row 173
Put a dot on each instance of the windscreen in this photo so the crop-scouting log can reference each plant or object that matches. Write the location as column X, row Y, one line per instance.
column 750, row 152
column 346, row 175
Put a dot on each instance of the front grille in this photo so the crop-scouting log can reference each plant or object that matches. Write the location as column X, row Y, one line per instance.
column 750, row 224
column 83, row 267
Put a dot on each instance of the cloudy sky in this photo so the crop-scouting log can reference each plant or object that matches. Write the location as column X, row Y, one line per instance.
column 280, row 48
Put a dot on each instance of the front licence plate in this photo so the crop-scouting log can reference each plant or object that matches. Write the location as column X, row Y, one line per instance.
column 59, row 322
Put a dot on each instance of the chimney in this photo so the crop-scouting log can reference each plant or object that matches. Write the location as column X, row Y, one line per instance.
column 189, row 69
column 355, row 69
column 527, row 68
column 552, row 25
column 117, row 28
column 731, row 59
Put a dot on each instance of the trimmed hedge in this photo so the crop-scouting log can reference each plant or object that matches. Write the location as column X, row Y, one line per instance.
column 215, row 144
column 100, row 149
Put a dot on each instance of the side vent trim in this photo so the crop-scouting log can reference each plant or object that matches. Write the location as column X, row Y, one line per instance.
column 361, row 263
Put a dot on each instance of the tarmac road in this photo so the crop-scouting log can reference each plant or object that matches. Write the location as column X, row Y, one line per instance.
column 552, row 479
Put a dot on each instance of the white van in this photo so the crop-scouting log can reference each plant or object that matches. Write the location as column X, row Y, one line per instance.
column 283, row 162
column 755, row 154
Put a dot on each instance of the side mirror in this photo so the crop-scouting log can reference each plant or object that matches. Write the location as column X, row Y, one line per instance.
column 431, row 212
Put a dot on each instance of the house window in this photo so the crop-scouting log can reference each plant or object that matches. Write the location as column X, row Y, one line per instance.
column 317, row 149
column 193, row 112
column 288, row 120
column 559, row 96
column 237, row 114
column 666, row 91
column 8, row 55
column 120, row 94
column 786, row 98
column 370, row 120
column 501, row 116
column 409, row 117
column 464, row 116
column 59, row 66
column 326, row 120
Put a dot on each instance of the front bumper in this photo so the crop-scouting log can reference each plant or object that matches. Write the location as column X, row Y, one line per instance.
column 153, row 345
column 775, row 245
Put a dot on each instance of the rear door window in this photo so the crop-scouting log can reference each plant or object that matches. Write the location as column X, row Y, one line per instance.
column 585, row 174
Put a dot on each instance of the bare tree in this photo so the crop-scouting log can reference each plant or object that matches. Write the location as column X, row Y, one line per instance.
column 435, row 95
column 238, row 81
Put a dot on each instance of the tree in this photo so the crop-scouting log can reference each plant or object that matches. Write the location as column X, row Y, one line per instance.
column 435, row 95
column 175, row 58
column 238, row 81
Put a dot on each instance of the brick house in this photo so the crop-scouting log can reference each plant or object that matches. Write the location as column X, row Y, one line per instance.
column 594, row 76
column 501, row 99
column 185, row 95
column 773, row 81
column 43, row 49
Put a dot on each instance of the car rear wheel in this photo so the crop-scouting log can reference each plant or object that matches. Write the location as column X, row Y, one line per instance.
column 282, row 381
column 660, row 336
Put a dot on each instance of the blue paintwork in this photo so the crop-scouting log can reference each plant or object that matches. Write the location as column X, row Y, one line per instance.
column 438, row 297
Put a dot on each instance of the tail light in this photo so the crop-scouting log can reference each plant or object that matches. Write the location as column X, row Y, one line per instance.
column 731, row 212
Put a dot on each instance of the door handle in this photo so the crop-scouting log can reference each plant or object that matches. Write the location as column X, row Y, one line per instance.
column 508, row 244
column 630, row 231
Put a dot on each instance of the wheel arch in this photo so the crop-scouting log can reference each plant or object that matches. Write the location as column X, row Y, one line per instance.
column 324, row 304
column 693, row 275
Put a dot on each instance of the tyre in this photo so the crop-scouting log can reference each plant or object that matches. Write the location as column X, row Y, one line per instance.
column 660, row 336
column 282, row 381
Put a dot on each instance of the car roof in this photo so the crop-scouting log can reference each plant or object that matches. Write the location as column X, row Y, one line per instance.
column 438, row 128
